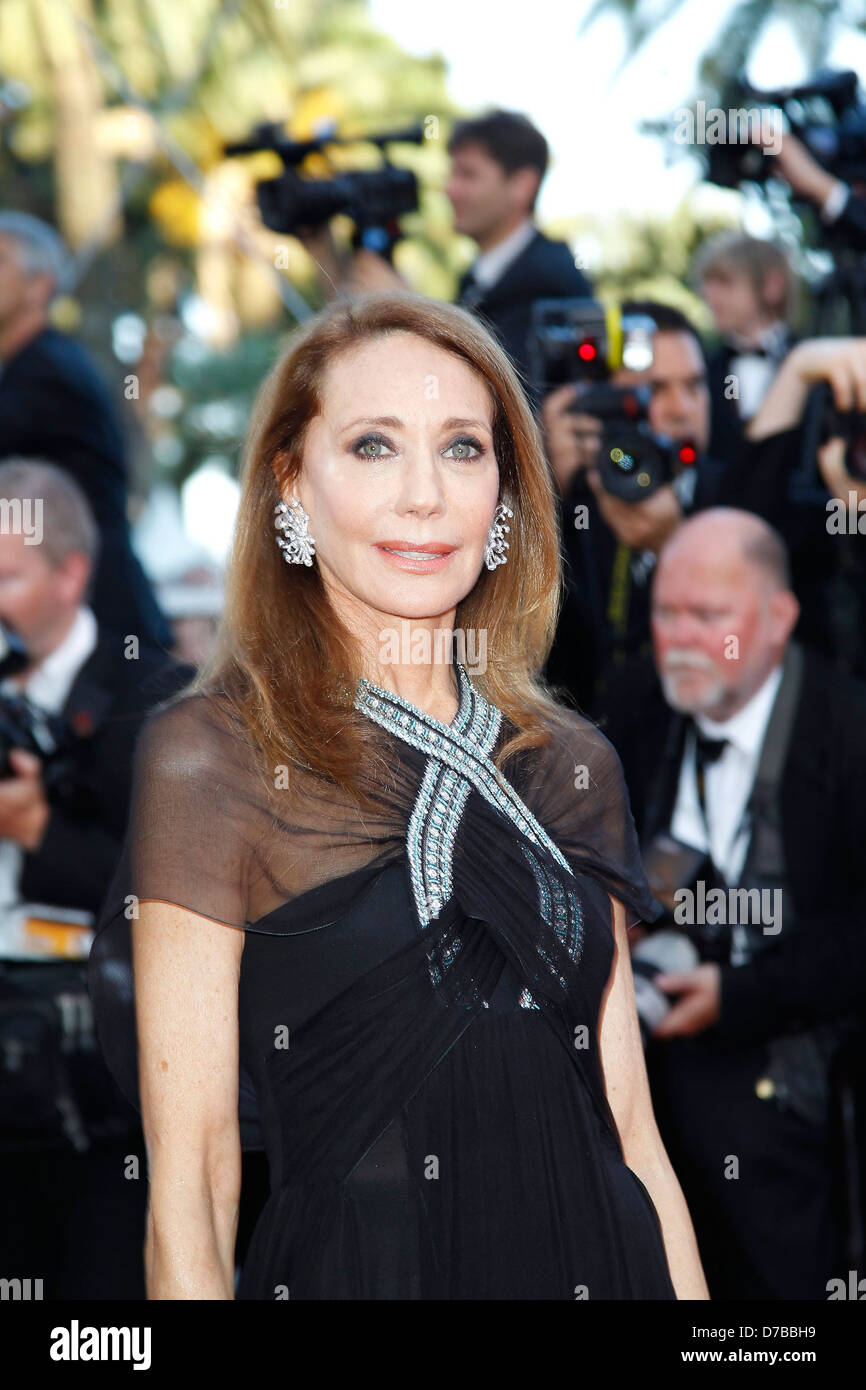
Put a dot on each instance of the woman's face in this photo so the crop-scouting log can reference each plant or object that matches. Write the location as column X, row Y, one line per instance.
column 400, row 456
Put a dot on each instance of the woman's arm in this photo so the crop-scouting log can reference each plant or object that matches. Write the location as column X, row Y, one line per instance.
column 186, row 992
column 628, row 1095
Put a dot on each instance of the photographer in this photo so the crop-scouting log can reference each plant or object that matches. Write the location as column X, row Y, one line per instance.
column 744, row 757
column 73, row 696
column 611, row 555
column 842, row 208
column 498, row 163
column 828, row 568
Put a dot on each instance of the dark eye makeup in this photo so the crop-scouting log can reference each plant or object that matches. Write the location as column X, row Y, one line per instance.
column 469, row 440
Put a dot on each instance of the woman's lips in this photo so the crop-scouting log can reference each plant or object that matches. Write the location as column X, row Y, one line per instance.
column 414, row 559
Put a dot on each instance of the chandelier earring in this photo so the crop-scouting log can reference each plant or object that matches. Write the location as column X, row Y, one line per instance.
column 296, row 543
column 497, row 542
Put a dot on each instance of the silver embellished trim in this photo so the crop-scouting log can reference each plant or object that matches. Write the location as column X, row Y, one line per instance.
column 563, row 911
column 458, row 759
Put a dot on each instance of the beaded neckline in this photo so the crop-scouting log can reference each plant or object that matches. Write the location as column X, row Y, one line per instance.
column 458, row 760
column 464, row 686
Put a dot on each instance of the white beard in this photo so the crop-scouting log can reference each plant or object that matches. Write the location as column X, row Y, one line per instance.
column 703, row 704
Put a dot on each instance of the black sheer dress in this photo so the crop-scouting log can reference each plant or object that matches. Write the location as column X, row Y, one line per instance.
column 418, row 1001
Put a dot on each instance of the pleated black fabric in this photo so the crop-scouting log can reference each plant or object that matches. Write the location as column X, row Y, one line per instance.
column 418, row 1003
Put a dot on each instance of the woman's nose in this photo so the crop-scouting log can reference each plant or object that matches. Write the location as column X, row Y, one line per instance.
column 420, row 489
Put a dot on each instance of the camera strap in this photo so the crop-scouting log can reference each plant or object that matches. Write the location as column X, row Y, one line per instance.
column 620, row 588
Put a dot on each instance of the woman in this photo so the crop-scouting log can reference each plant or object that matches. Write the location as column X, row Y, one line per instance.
column 377, row 902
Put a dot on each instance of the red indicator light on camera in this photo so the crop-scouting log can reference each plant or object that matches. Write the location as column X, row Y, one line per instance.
column 688, row 454
column 587, row 352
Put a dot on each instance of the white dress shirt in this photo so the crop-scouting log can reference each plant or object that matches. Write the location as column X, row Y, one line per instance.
column 491, row 265
column 727, row 782
column 47, row 686
column 754, row 371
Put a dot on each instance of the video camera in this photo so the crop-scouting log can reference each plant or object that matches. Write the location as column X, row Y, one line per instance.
column 373, row 198
column 826, row 114
column 584, row 342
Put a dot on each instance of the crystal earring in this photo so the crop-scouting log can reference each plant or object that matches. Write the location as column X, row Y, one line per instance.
column 296, row 543
column 494, row 551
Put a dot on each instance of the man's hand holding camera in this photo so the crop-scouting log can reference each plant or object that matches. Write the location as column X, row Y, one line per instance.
column 698, row 1000
column 572, row 440
column 369, row 272
column 639, row 525
column 24, row 808
column 839, row 361
column 572, row 447
column 347, row 272
column 798, row 167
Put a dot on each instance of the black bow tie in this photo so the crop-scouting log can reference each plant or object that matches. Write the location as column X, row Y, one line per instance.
column 707, row 750
column 733, row 351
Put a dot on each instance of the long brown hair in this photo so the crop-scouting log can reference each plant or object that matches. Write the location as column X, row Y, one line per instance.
column 283, row 659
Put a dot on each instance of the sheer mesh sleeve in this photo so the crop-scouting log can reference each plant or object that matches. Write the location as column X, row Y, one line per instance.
column 192, row 817
column 578, row 792
column 195, row 811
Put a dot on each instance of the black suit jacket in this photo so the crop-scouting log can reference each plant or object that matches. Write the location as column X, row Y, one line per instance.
column 817, row 971
column 848, row 232
column 727, row 430
column 828, row 571
column 106, row 706
column 55, row 407
column 544, row 269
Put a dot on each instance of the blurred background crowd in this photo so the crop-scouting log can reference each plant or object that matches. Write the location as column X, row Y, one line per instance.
column 683, row 292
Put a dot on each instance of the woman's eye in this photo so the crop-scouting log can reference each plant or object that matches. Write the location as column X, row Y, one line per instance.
column 465, row 445
column 370, row 447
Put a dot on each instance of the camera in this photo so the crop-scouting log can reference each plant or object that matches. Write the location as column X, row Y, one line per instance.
column 849, row 425
column 826, row 114
column 22, row 723
column 663, row 951
column 633, row 461
column 821, row 422
column 584, row 342
column 373, row 198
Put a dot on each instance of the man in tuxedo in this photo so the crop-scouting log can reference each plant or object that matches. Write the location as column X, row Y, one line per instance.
column 68, row 1216
column 750, row 288
column 784, row 473
column 739, row 746
column 498, row 163
column 54, row 405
